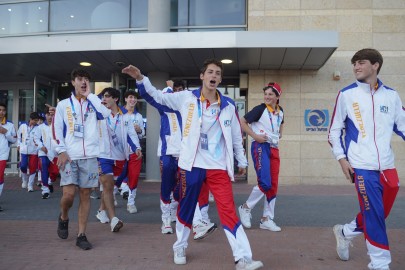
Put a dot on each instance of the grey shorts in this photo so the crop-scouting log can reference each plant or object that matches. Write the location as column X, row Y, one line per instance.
column 81, row 172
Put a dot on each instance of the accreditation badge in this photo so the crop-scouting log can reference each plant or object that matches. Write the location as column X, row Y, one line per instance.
column 204, row 141
column 78, row 131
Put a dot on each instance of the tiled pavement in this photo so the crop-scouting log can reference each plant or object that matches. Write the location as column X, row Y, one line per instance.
column 28, row 238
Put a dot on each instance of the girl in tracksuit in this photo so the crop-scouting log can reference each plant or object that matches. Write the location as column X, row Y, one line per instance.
column 367, row 112
column 266, row 122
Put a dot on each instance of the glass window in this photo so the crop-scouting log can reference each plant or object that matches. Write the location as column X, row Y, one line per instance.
column 26, row 105
column 139, row 13
column 203, row 13
column 68, row 15
column 44, row 96
column 22, row 18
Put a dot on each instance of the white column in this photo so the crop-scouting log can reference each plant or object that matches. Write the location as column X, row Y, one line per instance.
column 159, row 16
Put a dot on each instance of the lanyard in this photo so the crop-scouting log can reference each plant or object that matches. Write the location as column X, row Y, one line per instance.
column 116, row 123
column 74, row 111
column 271, row 120
column 200, row 116
column 30, row 130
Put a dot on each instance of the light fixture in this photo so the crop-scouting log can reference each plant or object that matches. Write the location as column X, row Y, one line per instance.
column 3, row 28
column 9, row 9
column 27, row 23
column 226, row 61
column 40, row 20
column 72, row 16
column 85, row 64
column 336, row 75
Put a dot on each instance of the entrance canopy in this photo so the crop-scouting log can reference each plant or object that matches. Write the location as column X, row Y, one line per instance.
column 179, row 54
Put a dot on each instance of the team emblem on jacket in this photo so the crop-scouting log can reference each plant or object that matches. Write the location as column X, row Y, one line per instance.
column 384, row 109
column 227, row 123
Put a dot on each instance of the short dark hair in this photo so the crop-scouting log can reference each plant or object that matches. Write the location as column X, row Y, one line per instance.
column 111, row 91
column 212, row 61
column 179, row 83
column 79, row 73
column 3, row 105
column 46, row 111
column 35, row 115
column 131, row 93
column 372, row 55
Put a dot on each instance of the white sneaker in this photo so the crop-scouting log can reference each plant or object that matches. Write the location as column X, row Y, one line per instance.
column 166, row 227
column 132, row 209
column 245, row 216
column 203, row 229
column 270, row 225
column 245, row 264
column 116, row 224
column 342, row 244
column 371, row 267
column 102, row 216
column 180, row 256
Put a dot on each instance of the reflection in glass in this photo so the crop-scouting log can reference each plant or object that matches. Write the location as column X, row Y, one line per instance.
column 23, row 18
column 26, row 105
column 139, row 13
column 202, row 13
column 44, row 96
column 68, row 15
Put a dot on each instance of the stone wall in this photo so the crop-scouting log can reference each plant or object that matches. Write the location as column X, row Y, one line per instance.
column 305, row 155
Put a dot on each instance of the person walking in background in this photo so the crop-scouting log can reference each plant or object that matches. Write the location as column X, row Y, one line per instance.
column 8, row 136
column 367, row 112
column 210, row 137
column 264, row 123
column 135, row 161
column 47, row 155
column 75, row 129
column 116, row 133
column 28, row 151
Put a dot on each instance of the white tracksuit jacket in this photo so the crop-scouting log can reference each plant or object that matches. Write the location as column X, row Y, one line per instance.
column 128, row 137
column 369, row 119
column 186, row 102
column 43, row 137
column 26, row 142
column 64, row 121
column 7, row 139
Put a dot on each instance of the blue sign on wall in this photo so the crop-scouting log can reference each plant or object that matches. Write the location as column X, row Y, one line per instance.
column 316, row 120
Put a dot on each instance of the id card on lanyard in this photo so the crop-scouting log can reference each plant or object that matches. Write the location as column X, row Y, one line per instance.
column 78, row 130
column 113, row 134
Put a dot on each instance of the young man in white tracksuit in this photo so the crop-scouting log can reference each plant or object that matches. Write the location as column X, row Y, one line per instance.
column 47, row 155
column 210, row 134
column 8, row 136
column 28, row 151
column 367, row 112
column 116, row 133
column 75, row 129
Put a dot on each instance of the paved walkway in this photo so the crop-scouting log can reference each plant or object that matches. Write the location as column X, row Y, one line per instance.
column 28, row 238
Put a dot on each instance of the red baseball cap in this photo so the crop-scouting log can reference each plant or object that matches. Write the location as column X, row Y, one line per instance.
column 275, row 86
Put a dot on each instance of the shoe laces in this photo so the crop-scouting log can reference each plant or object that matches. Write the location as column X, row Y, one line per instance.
column 180, row 252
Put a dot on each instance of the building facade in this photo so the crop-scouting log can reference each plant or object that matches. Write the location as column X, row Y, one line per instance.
column 305, row 45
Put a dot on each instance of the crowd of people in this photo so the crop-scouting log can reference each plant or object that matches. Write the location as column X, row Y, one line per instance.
column 93, row 142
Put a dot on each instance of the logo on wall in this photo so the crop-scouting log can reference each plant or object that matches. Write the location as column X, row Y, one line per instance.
column 316, row 120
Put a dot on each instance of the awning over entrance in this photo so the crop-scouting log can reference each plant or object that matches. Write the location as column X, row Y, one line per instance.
column 180, row 54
